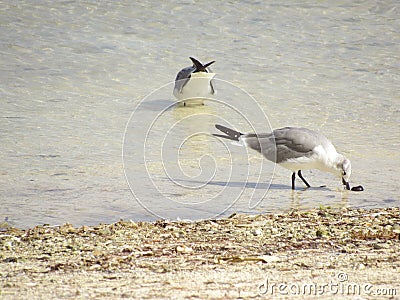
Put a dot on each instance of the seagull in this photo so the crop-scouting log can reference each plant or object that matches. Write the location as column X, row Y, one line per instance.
column 296, row 149
column 194, row 82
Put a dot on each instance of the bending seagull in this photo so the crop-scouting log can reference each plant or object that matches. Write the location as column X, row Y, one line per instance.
column 295, row 149
column 194, row 82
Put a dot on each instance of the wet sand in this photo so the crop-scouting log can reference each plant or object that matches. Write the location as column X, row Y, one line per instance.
column 321, row 253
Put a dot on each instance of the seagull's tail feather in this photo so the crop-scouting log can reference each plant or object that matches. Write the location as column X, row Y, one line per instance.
column 199, row 66
column 230, row 133
column 208, row 64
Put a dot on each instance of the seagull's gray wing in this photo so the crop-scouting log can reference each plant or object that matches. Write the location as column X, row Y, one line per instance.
column 263, row 143
column 293, row 142
column 183, row 77
column 285, row 143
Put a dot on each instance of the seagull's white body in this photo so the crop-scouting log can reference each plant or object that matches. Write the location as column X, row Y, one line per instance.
column 196, row 89
column 322, row 157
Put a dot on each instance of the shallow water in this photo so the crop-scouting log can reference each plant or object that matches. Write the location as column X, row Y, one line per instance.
column 74, row 73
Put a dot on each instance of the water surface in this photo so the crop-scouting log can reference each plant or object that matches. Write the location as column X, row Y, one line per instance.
column 74, row 72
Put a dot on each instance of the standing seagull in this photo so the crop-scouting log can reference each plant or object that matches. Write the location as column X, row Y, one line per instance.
column 295, row 149
column 194, row 82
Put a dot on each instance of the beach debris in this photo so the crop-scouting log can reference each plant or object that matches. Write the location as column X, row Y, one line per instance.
column 183, row 249
column 165, row 246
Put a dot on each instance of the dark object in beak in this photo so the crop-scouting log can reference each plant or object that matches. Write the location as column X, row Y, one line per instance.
column 346, row 184
column 357, row 188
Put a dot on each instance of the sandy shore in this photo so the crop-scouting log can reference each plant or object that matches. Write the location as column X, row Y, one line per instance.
column 321, row 253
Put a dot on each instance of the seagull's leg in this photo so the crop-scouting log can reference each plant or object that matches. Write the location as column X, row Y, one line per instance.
column 346, row 184
column 302, row 178
column 293, row 179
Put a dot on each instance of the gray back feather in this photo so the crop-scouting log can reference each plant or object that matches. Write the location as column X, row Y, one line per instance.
column 285, row 143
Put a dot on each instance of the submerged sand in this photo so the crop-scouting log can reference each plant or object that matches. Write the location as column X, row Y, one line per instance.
column 321, row 253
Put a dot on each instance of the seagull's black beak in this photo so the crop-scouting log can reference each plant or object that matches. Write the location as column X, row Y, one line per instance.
column 346, row 184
